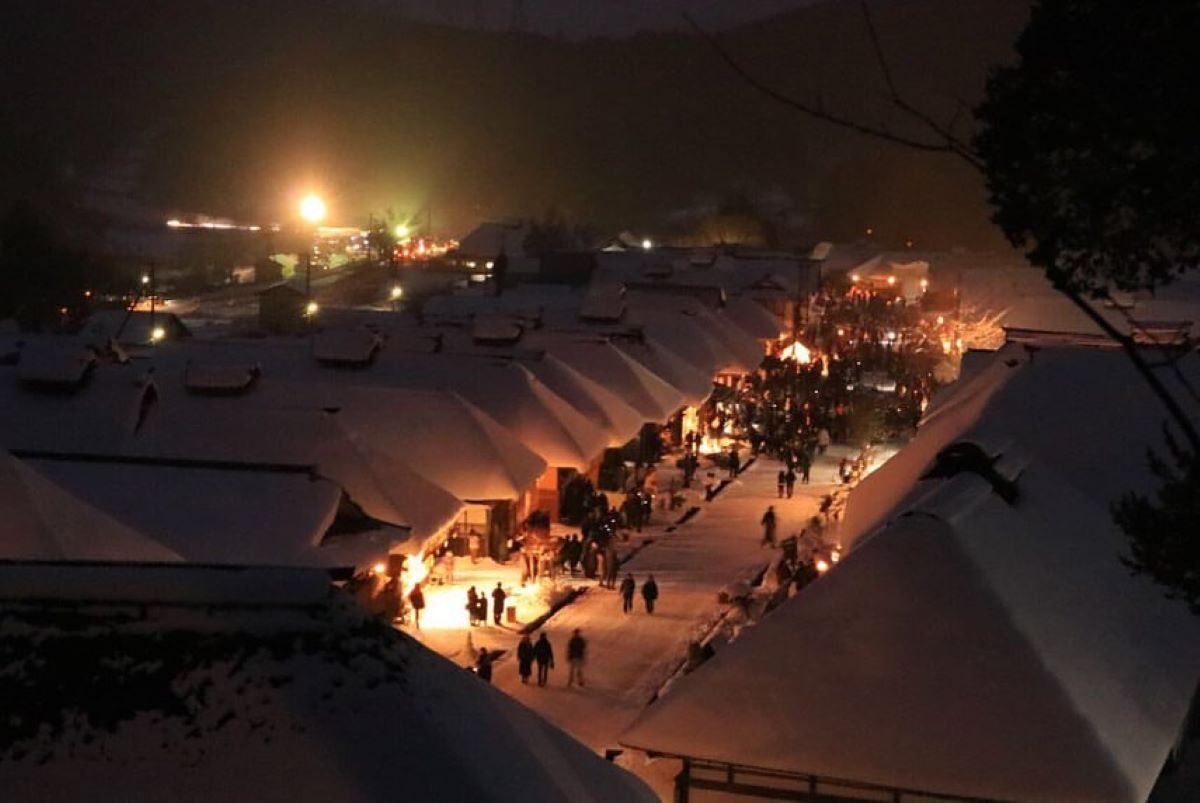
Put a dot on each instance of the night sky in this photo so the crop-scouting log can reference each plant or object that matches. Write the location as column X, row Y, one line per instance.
column 583, row 18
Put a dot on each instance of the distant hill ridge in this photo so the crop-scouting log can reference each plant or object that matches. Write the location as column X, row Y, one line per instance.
column 232, row 108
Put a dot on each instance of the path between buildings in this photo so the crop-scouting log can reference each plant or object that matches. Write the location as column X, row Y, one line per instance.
column 631, row 656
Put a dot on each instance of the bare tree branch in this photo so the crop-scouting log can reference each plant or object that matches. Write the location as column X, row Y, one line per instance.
column 816, row 110
column 1127, row 343
column 953, row 143
column 1171, row 357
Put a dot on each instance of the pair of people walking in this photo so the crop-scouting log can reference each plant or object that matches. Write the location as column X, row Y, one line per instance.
column 542, row 654
column 649, row 593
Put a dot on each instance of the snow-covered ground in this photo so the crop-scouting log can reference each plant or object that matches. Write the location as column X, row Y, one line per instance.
column 631, row 656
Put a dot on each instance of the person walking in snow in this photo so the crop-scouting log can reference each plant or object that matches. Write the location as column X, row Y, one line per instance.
column 806, row 461
column 790, row 481
column 611, row 565
column 734, row 462
column 498, row 598
column 768, row 525
column 416, row 598
column 472, row 605
column 543, row 654
column 576, row 655
column 628, row 586
column 481, row 607
column 780, row 482
column 650, row 593
column 525, row 658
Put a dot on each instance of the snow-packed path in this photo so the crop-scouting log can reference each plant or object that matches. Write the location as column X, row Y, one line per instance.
column 630, row 656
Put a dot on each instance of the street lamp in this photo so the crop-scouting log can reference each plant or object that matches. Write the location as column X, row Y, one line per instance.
column 312, row 211
column 402, row 232
column 647, row 244
column 397, row 293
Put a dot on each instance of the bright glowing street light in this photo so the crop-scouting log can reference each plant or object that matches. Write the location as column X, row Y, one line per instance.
column 145, row 278
column 397, row 292
column 402, row 231
column 157, row 334
column 311, row 308
column 647, row 244
column 312, row 209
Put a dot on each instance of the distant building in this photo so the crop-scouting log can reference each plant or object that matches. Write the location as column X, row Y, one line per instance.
column 133, row 327
column 282, row 308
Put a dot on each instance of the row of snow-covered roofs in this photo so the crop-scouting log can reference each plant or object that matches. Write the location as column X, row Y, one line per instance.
column 337, row 447
column 982, row 639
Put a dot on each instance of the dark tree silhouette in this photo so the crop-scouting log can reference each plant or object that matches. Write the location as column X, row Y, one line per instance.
column 1092, row 169
column 1087, row 143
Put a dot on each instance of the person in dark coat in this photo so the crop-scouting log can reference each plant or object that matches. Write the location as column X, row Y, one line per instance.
column 650, row 593
column 780, row 482
column 790, row 482
column 628, row 586
column 481, row 608
column 576, row 655
column 525, row 658
column 768, row 525
column 416, row 598
column 574, row 552
column 473, row 605
column 498, row 597
column 483, row 666
column 611, row 564
column 543, row 654
column 735, row 462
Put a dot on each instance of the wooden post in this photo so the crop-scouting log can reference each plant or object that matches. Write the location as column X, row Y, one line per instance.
column 682, row 782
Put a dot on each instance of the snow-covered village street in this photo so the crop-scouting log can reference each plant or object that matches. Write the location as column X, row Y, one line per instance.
column 631, row 656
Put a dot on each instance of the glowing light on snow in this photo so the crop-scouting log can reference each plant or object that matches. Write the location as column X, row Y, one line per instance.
column 416, row 569
column 823, row 567
column 798, row 352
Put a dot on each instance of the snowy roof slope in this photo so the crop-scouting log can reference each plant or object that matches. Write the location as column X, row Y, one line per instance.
column 601, row 361
column 753, row 318
column 206, row 515
column 444, row 438
column 695, row 385
column 268, row 703
column 1060, row 405
column 44, row 521
column 593, row 399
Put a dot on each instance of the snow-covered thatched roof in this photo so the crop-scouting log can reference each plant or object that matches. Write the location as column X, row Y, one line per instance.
column 973, row 643
column 252, row 684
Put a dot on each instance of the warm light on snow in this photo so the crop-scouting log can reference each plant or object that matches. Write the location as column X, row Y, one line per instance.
column 798, row 352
